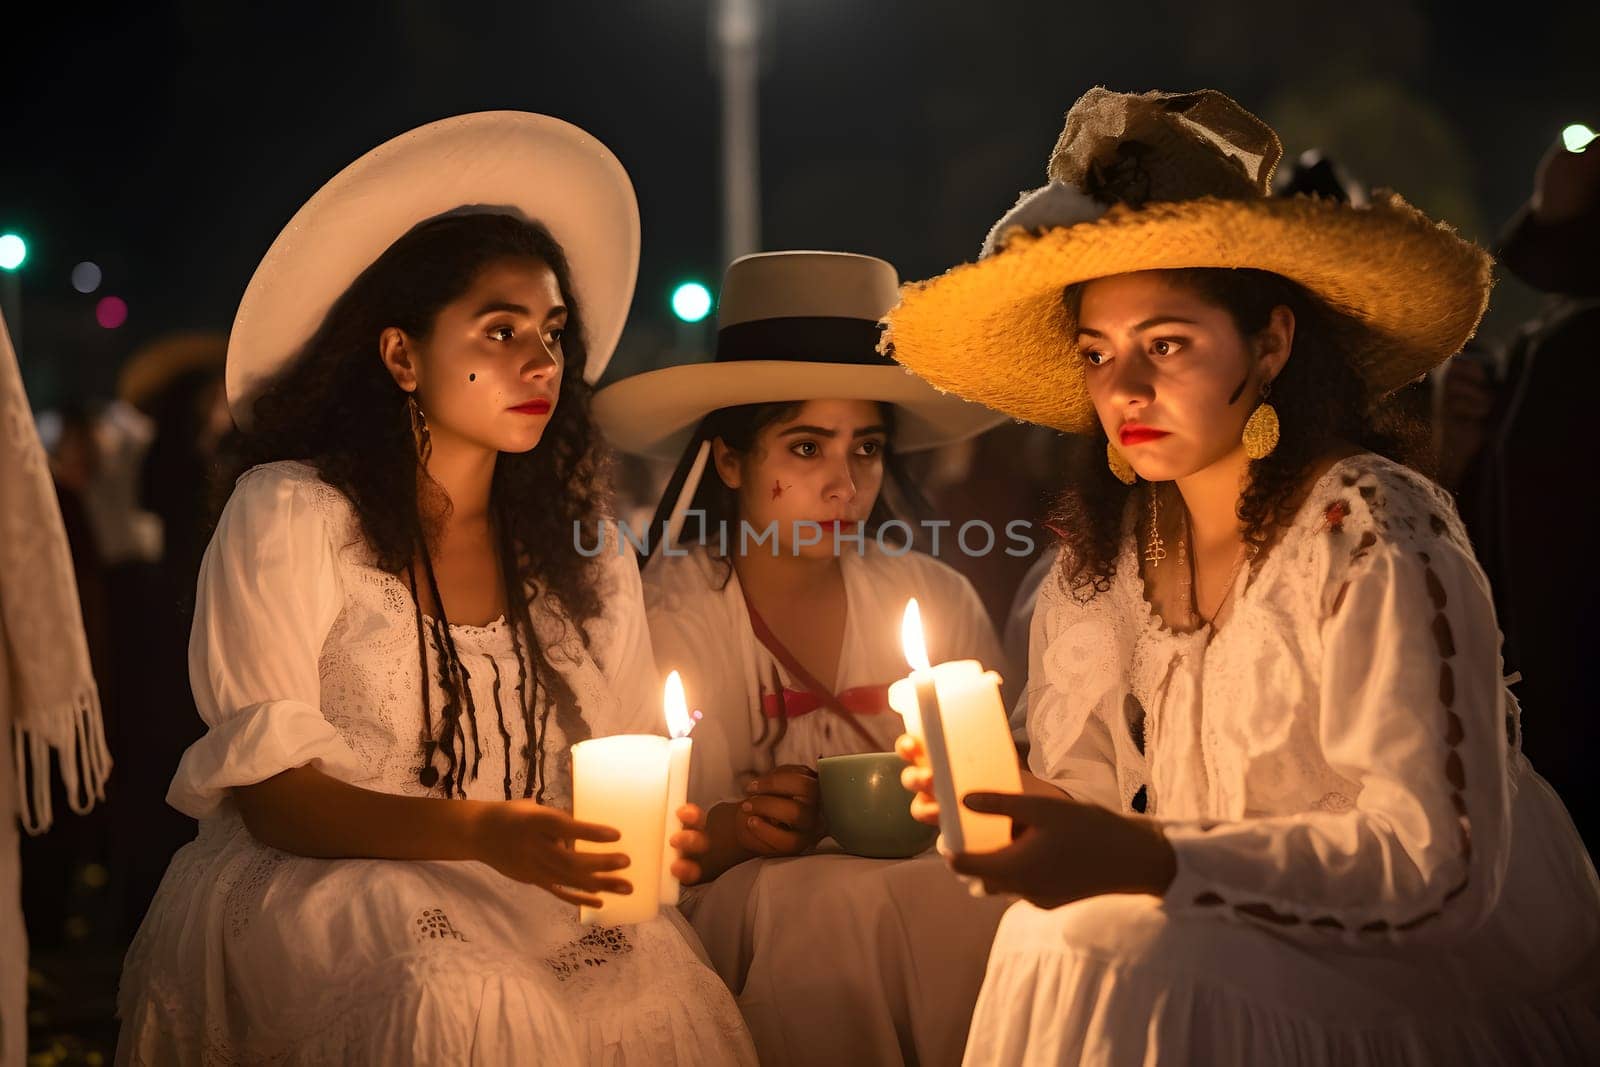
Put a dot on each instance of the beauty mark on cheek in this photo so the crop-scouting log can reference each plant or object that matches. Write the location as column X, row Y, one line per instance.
column 472, row 377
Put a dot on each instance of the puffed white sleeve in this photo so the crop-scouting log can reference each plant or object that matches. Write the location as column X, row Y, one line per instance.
column 1075, row 672
column 1412, row 706
column 628, row 661
column 268, row 595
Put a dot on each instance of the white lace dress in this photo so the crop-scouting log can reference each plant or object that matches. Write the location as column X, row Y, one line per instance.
column 1369, row 872
column 303, row 653
column 835, row 959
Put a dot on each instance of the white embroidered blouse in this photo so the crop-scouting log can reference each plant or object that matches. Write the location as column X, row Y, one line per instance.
column 304, row 652
column 1333, row 761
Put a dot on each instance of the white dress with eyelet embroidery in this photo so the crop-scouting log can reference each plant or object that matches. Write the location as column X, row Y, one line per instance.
column 1369, row 872
column 835, row 959
column 303, row 653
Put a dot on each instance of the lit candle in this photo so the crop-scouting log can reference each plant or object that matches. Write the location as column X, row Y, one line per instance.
column 679, row 723
column 955, row 710
column 621, row 781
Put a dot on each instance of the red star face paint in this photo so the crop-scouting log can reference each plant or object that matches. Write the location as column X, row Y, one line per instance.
column 777, row 489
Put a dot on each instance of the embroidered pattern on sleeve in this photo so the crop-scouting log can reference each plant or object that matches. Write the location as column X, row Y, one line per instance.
column 1365, row 483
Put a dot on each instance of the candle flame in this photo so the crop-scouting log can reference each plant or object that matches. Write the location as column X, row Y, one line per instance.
column 911, row 639
column 679, row 722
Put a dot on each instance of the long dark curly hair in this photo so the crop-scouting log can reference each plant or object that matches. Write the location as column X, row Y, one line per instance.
column 1321, row 402
column 336, row 408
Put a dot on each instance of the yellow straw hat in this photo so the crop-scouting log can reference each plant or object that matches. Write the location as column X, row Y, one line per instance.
column 1159, row 181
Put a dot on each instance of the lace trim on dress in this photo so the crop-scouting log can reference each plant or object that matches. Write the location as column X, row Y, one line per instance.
column 432, row 924
column 598, row 947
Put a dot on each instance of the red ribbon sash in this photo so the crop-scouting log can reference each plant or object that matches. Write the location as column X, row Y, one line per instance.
column 793, row 703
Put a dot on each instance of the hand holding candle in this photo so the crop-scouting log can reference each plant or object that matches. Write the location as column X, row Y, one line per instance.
column 955, row 713
column 679, row 723
column 524, row 840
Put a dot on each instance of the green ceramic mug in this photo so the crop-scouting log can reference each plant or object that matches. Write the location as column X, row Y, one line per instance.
column 867, row 810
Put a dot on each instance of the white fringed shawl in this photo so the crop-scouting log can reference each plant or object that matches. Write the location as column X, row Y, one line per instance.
column 47, row 690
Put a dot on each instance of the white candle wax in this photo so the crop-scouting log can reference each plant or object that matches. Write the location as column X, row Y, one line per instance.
column 680, row 749
column 621, row 781
column 977, row 743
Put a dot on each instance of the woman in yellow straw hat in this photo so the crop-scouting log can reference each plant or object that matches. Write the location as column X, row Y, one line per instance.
column 1277, row 810
column 396, row 643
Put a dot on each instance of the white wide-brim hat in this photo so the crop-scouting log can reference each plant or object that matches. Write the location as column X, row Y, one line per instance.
column 790, row 326
column 516, row 162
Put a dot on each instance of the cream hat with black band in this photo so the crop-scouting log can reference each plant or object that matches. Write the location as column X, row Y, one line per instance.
column 792, row 326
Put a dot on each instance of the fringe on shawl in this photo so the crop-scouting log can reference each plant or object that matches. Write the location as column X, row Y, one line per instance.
column 82, row 755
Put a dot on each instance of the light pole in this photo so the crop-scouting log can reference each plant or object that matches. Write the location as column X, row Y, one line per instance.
column 737, row 31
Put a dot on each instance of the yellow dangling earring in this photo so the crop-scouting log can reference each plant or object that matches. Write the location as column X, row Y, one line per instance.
column 1119, row 465
column 1261, row 429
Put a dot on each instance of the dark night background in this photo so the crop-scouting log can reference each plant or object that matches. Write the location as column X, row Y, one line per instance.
column 170, row 142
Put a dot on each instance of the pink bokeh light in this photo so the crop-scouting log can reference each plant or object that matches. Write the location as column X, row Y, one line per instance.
column 111, row 312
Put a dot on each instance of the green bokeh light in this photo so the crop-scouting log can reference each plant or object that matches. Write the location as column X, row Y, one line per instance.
column 691, row 301
column 13, row 251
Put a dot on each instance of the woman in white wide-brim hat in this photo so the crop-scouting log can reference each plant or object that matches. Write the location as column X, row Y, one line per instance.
column 787, row 645
column 396, row 642
column 1277, row 811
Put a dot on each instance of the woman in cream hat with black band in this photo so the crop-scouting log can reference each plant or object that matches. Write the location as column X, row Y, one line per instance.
column 396, row 642
column 788, row 643
column 1277, row 810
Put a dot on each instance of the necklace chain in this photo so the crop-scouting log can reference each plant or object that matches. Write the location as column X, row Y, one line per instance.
column 1188, row 594
column 1190, row 583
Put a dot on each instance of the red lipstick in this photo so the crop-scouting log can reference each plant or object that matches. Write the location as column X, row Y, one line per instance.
column 537, row 406
column 1133, row 433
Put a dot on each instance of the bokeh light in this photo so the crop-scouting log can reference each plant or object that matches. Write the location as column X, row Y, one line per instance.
column 691, row 301
column 1577, row 137
column 111, row 312
column 13, row 250
column 86, row 277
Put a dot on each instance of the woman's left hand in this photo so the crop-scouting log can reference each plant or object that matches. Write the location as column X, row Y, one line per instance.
column 1063, row 851
column 692, row 842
